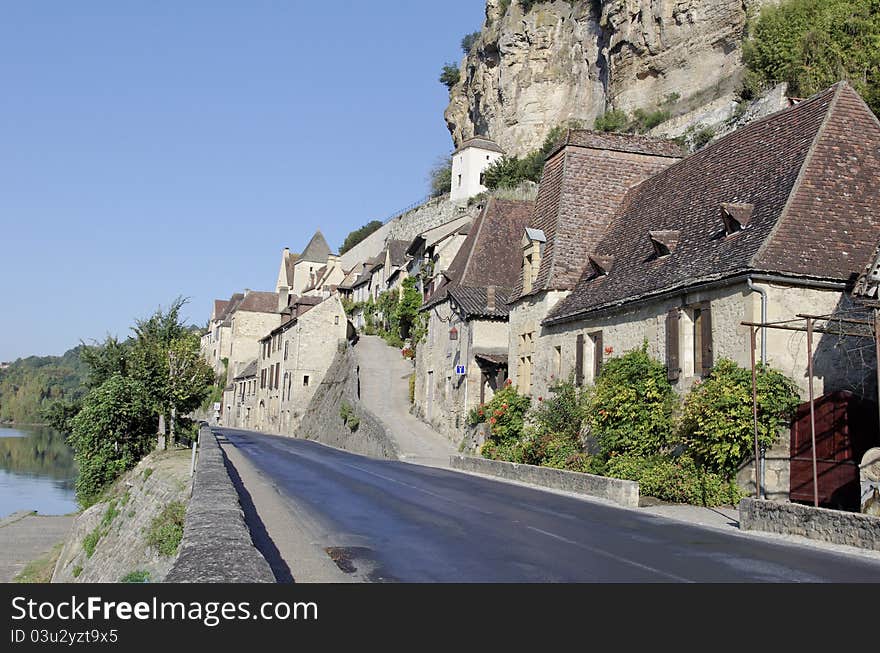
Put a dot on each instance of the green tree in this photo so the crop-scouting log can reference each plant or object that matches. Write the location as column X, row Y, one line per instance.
column 468, row 41
column 441, row 176
column 358, row 235
column 812, row 44
column 612, row 121
column 111, row 433
column 449, row 75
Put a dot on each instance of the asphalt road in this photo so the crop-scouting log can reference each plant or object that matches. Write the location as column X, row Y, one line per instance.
column 399, row 522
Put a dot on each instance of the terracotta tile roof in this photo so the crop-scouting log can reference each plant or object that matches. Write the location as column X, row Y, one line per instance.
column 231, row 306
column 317, row 251
column 220, row 306
column 811, row 173
column 259, row 302
column 491, row 255
column 582, row 187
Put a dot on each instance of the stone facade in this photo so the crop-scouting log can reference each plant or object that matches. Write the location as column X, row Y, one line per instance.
column 442, row 396
column 246, row 330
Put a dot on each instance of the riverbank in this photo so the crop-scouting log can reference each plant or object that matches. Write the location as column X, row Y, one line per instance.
column 26, row 537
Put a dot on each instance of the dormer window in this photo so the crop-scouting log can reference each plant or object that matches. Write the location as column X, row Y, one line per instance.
column 664, row 242
column 601, row 264
column 532, row 244
column 736, row 217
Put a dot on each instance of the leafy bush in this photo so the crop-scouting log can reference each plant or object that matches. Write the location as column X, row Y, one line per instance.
column 812, row 44
column 359, row 234
column 703, row 137
column 136, row 577
column 412, row 388
column 449, row 75
column 351, row 420
column 166, row 529
column 563, row 412
column 90, row 541
column 647, row 120
column 717, row 422
column 77, row 571
column 510, row 171
column 677, row 480
column 631, row 405
column 612, row 121
column 111, row 433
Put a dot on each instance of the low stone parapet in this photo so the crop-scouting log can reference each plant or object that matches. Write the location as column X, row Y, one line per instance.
column 216, row 545
column 625, row 493
column 835, row 526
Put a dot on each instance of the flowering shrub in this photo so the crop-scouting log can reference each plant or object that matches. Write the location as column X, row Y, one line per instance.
column 504, row 414
column 408, row 353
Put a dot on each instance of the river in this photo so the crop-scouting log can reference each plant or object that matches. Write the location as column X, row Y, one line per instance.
column 37, row 471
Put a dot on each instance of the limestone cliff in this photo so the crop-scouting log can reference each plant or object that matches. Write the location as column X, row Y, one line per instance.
column 573, row 60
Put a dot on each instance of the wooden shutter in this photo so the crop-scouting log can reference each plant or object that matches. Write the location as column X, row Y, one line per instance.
column 579, row 360
column 673, row 367
column 598, row 354
column 706, row 339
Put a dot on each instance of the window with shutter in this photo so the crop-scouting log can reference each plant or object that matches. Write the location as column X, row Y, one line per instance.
column 706, row 353
column 579, row 360
column 598, row 353
column 673, row 367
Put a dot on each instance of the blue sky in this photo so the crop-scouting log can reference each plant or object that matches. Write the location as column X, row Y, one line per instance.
column 164, row 148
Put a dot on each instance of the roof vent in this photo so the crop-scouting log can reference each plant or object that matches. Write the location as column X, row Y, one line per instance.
column 664, row 242
column 736, row 217
column 601, row 264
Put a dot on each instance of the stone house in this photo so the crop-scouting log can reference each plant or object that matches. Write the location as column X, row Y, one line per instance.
column 241, row 398
column 770, row 222
column 293, row 359
column 216, row 343
column 464, row 357
column 297, row 271
column 325, row 280
column 432, row 252
column 253, row 317
column 396, row 260
column 585, row 179
column 469, row 162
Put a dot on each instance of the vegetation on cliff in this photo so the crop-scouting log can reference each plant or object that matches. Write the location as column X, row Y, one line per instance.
column 358, row 235
column 812, row 44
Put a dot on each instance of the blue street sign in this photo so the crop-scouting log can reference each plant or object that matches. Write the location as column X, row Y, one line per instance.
column 459, row 369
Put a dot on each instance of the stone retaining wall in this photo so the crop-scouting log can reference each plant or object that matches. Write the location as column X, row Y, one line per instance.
column 833, row 526
column 216, row 545
column 625, row 493
column 323, row 421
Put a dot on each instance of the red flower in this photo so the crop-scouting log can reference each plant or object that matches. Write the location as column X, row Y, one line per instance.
column 508, row 382
column 540, row 398
column 609, row 350
column 492, row 421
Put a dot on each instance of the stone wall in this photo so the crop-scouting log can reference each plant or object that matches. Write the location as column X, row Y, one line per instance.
column 625, row 493
column 216, row 545
column 247, row 329
column 121, row 520
column 323, row 422
column 833, row 526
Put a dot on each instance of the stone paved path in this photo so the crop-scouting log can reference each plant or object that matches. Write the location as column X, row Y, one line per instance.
column 384, row 375
column 25, row 536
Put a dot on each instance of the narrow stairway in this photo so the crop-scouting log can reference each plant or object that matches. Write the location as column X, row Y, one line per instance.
column 384, row 377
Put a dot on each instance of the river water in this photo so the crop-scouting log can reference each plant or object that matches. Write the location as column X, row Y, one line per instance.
column 37, row 471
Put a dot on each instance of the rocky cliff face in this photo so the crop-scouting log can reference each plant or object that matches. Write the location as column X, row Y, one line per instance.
column 574, row 60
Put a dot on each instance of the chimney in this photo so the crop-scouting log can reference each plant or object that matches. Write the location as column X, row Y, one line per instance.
column 490, row 298
column 283, row 298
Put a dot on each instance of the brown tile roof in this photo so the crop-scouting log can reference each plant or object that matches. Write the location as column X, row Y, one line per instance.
column 317, row 251
column 481, row 142
column 582, row 187
column 231, row 306
column 259, row 302
column 247, row 372
column 220, row 306
column 397, row 252
column 491, row 255
column 441, row 232
column 812, row 174
column 289, row 265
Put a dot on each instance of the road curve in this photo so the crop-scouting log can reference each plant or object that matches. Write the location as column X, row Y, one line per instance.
column 409, row 523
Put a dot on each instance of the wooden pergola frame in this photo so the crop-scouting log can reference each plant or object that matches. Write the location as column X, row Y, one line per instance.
column 847, row 327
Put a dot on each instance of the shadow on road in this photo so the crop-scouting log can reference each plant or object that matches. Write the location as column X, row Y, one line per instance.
column 259, row 535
